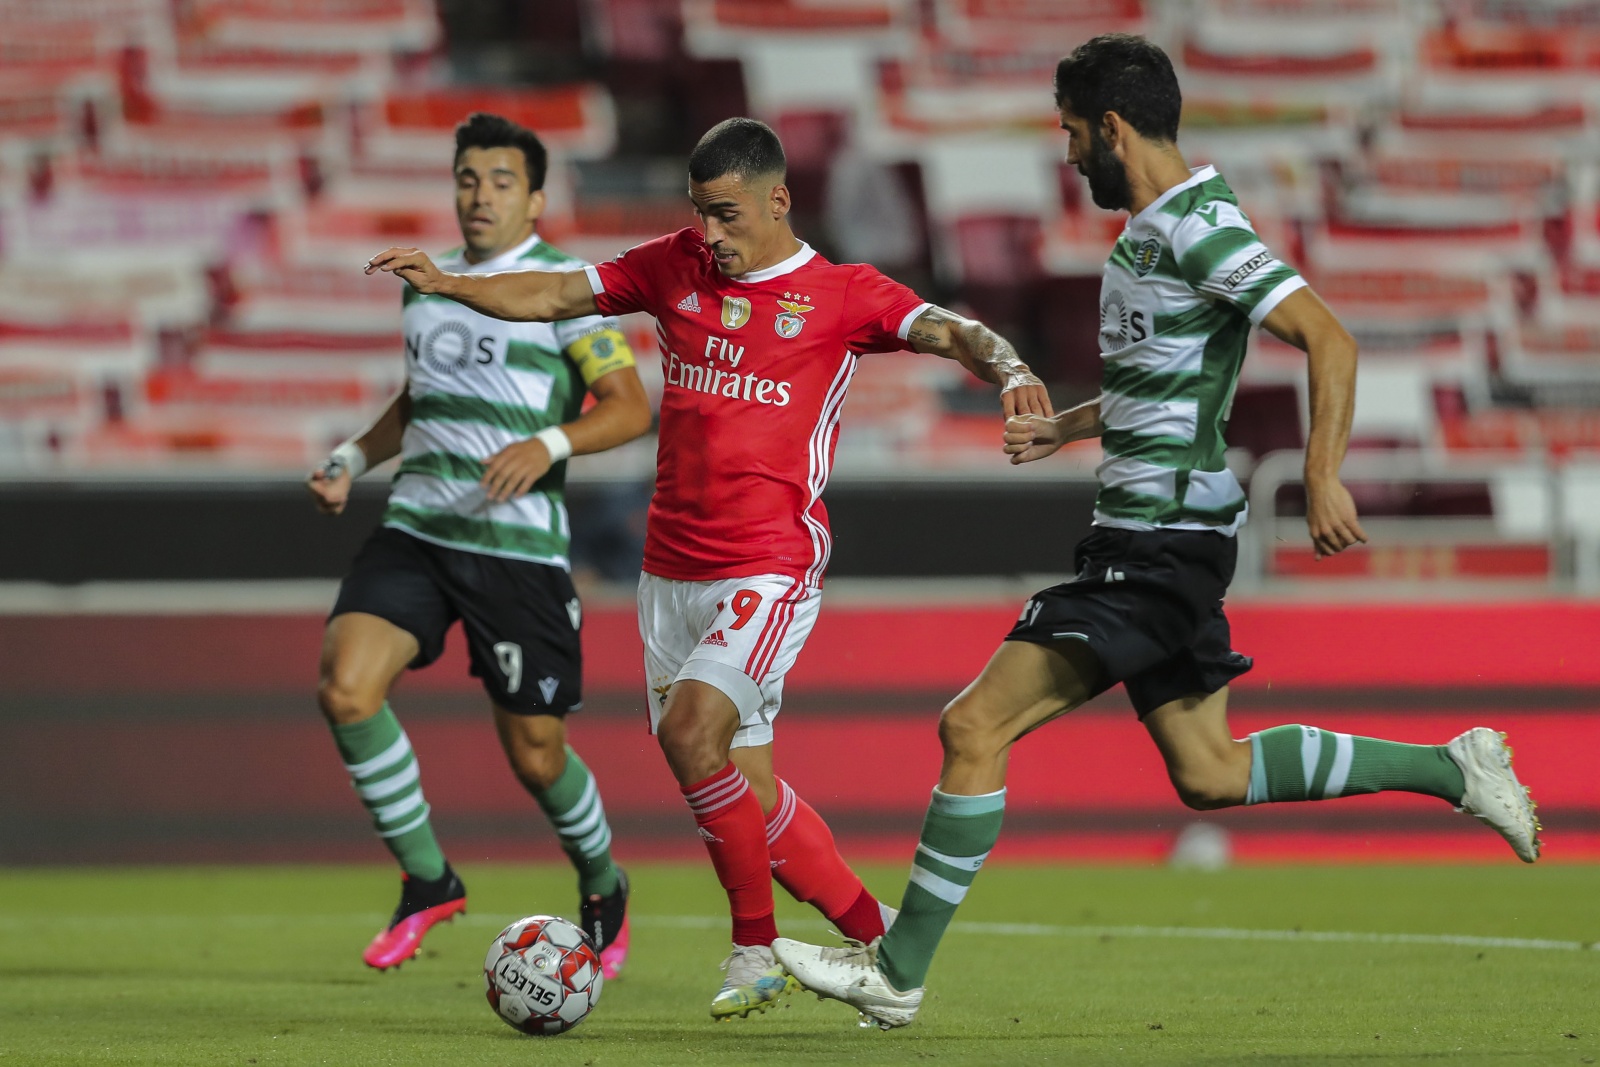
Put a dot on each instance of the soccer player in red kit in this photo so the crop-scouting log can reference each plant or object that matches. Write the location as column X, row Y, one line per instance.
column 759, row 339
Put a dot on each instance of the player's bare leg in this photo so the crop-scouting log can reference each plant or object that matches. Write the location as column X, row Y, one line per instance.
column 1024, row 686
column 1210, row 769
column 362, row 655
column 1207, row 766
column 555, row 776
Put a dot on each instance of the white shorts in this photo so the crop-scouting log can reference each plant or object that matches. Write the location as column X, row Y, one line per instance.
column 739, row 635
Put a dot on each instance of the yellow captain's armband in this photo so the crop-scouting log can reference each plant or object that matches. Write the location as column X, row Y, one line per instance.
column 599, row 353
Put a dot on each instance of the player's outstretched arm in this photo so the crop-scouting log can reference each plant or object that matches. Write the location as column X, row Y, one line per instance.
column 1303, row 320
column 620, row 413
column 329, row 484
column 986, row 354
column 1031, row 437
column 518, row 296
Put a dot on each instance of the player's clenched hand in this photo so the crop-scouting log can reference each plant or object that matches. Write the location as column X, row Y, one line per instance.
column 412, row 265
column 1331, row 517
column 331, row 494
column 514, row 469
column 1030, row 437
column 1024, row 394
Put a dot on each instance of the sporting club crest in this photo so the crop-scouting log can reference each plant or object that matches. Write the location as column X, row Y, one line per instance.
column 735, row 311
column 1147, row 256
column 790, row 322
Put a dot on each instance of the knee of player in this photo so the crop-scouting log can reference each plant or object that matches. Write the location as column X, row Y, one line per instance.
column 344, row 700
column 538, row 766
column 687, row 739
column 966, row 729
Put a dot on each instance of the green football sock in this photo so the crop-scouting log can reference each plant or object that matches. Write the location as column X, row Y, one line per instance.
column 573, row 806
column 377, row 754
column 1305, row 763
column 957, row 835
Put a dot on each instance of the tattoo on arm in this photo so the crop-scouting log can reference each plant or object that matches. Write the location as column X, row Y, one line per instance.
column 933, row 328
column 986, row 354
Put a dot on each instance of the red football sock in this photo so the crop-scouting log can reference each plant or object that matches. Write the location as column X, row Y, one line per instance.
column 733, row 827
column 806, row 862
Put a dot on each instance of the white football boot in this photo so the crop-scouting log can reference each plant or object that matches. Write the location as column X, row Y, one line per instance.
column 755, row 982
column 1493, row 793
column 849, row 974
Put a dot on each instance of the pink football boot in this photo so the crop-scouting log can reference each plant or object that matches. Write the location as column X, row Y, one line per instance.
column 423, row 904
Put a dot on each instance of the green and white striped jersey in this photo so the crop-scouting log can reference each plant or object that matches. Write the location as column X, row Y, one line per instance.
column 477, row 385
column 1186, row 281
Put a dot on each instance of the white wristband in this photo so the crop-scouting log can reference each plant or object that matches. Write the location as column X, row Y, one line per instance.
column 347, row 457
column 555, row 442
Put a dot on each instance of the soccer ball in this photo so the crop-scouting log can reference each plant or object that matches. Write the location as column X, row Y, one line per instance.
column 542, row 975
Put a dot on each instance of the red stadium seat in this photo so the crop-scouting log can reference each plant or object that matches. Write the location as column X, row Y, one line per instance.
column 1354, row 61
column 770, row 16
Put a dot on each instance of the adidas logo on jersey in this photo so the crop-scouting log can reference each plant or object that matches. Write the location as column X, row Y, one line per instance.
column 690, row 303
column 715, row 638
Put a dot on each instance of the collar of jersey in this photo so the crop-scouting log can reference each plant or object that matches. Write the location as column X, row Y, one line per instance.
column 1197, row 175
column 766, row 274
column 503, row 261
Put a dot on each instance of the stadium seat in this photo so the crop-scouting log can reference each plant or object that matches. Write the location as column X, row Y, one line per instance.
column 378, row 26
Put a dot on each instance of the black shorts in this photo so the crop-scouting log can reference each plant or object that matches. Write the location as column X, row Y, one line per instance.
column 521, row 619
column 1148, row 603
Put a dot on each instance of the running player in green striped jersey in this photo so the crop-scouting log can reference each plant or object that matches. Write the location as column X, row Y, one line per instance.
column 1185, row 283
column 476, row 529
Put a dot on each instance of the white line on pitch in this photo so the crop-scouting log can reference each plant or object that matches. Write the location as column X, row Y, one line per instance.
column 715, row 922
column 1201, row 933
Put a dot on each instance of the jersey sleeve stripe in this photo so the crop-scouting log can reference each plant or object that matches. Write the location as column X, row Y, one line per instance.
column 905, row 323
column 1206, row 257
column 1275, row 296
column 595, row 284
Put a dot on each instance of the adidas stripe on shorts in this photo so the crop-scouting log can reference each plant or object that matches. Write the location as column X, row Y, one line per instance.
column 739, row 635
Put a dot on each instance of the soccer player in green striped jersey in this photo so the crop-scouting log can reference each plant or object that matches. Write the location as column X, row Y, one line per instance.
column 476, row 529
column 1185, row 283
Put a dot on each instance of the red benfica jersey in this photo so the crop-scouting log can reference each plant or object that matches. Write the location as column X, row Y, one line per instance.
column 756, row 372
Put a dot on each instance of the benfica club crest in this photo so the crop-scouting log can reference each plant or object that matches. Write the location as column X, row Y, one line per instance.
column 735, row 311
column 790, row 322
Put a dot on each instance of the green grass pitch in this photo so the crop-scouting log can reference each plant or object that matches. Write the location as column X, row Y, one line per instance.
column 181, row 966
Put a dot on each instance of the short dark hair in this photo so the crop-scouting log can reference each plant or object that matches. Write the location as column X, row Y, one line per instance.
column 1124, row 73
column 742, row 147
column 483, row 130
